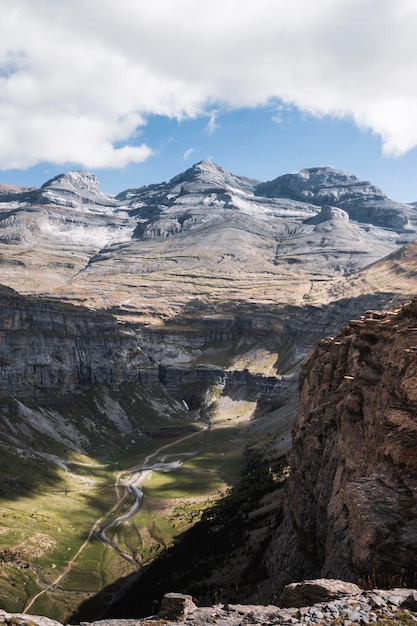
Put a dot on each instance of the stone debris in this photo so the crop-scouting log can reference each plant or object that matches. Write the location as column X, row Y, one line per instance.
column 362, row 608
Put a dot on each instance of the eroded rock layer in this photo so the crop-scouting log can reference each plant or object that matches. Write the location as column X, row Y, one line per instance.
column 351, row 508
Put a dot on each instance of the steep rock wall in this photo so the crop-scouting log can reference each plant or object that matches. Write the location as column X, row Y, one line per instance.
column 47, row 345
column 350, row 510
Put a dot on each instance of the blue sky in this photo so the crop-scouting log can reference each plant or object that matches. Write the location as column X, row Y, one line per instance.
column 136, row 92
column 257, row 143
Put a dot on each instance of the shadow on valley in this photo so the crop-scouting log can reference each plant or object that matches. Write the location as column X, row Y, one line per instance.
column 218, row 559
column 23, row 476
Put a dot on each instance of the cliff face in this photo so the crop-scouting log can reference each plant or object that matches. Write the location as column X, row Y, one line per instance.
column 83, row 379
column 351, row 507
column 53, row 346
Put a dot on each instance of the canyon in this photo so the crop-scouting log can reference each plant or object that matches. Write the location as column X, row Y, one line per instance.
column 128, row 321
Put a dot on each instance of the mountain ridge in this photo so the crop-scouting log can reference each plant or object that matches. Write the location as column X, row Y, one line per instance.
column 200, row 229
column 174, row 315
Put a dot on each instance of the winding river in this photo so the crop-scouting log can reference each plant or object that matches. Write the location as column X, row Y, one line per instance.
column 133, row 478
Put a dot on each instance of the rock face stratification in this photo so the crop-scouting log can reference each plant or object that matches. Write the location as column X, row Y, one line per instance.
column 205, row 234
column 363, row 201
column 351, row 509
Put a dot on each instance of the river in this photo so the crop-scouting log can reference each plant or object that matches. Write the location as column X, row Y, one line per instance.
column 133, row 478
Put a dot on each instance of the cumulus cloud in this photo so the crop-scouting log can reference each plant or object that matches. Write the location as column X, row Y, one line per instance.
column 78, row 78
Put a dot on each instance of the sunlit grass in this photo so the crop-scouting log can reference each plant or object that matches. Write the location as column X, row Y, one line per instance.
column 48, row 514
column 182, row 484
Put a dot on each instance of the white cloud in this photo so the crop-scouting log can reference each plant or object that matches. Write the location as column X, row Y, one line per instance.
column 212, row 124
column 78, row 77
column 278, row 115
column 188, row 153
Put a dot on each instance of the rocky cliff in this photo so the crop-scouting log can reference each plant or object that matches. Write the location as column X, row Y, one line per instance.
column 48, row 345
column 204, row 294
column 351, row 506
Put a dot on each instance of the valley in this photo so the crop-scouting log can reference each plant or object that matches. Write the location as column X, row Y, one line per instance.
column 55, row 553
column 164, row 328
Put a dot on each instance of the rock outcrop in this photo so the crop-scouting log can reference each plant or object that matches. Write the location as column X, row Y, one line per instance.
column 351, row 505
column 73, row 189
column 51, row 346
column 311, row 592
column 353, row 607
column 324, row 185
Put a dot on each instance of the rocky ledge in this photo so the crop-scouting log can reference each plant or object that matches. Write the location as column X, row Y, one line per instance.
column 342, row 604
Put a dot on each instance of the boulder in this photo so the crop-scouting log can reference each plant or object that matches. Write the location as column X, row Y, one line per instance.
column 311, row 592
column 176, row 606
column 410, row 602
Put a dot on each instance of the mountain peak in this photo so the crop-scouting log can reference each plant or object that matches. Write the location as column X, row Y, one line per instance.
column 324, row 173
column 73, row 189
column 207, row 166
column 310, row 181
column 203, row 171
column 79, row 181
column 207, row 174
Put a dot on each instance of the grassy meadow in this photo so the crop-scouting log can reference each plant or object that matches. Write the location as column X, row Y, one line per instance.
column 50, row 557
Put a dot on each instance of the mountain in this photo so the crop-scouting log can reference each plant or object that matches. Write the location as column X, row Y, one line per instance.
column 361, row 200
column 193, row 237
column 167, row 322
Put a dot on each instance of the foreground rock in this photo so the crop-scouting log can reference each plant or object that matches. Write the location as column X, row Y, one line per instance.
column 313, row 591
column 176, row 606
column 364, row 607
column 351, row 506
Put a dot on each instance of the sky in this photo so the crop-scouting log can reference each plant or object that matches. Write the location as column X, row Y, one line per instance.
column 137, row 91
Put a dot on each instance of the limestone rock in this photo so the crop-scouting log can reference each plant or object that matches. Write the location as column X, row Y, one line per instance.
column 363, row 201
column 351, row 505
column 72, row 189
column 45, row 345
column 176, row 606
column 22, row 619
column 311, row 592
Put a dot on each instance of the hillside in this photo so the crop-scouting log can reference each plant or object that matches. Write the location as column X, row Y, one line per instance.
column 204, row 238
column 151, row 340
